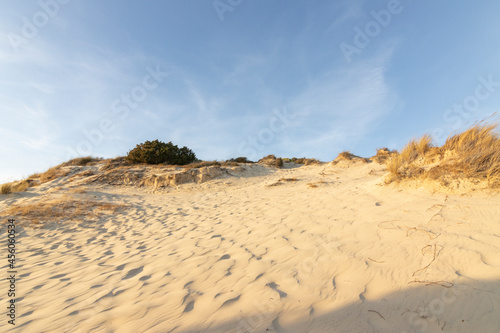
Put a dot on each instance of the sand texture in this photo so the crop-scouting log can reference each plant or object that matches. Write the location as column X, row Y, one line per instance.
column 319, row 248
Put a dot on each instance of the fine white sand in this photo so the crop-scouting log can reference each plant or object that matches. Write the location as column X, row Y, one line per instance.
column 246, row 252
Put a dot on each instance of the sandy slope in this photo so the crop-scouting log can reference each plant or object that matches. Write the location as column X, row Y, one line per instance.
column 243, row 253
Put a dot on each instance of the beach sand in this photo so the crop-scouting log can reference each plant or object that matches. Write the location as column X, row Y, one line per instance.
column 319, row 248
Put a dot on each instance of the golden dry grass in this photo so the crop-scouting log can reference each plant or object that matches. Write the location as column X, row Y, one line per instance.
column 473, row 154
column 382, row 155
column 82, row 161
column 19, row 186
column 302, row 160
column 345, row 156
column 6, row 189
column 57, row 209
column 49, row 175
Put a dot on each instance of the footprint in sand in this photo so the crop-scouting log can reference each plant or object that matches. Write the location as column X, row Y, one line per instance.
column 133, row 272
column 274, row 287
column 189, row 307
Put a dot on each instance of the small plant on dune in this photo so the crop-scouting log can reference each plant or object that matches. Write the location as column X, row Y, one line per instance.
column 6, row 189
column 345, row 155
column 416, row 149
column 157, row 152
column 401, row 165
column 81, row 161
column 19, row 186
column 303, row 160
column 383, row 154
column 51, row 174
column 240, row 160
column 348, row 156
column 476, row 153
column 271, row 160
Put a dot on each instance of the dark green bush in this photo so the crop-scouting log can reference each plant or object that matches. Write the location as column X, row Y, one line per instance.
column 240, row 160
column 157, row 152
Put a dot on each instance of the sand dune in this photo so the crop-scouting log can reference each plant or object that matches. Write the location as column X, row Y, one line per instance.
column 321, row 248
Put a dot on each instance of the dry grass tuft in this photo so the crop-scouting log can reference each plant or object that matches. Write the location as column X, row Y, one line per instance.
column 473, row 155
column 19, row 186
column 240, row 160
column 302, row 160
column 382, row 155
column 345, row 156
column 272, row 161
column 66, row 208
column 348, row 156
column 6, row 189
column 60, row 171
column 49, row 175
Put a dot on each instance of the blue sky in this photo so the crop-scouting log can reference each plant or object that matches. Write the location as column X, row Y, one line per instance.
column 232, row 78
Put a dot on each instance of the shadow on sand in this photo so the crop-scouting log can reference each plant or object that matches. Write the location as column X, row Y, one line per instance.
column 470, row 306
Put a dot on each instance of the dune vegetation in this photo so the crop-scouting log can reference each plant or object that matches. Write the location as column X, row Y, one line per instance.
column 473, row 155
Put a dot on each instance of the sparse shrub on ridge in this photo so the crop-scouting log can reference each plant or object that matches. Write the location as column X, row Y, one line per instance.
column 302, row 160
column 271, row 160
column 82, row 161
column 348, row 156
column 6, row 189
column 157, row 152
column 239, row 160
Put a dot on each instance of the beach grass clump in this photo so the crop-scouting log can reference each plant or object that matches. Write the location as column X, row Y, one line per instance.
column 383, row 154
column 271, row 160
column 50, row 174
column 473, row 154
column 6, row 188
column 240, row 159
column 302, row 160
column 347, row 156
column 19, row 186
column 82, row 161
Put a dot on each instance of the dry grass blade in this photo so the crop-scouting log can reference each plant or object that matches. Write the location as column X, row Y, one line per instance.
column 377, row 313
column 378, row 262
column 444, row 284
column 408, row 229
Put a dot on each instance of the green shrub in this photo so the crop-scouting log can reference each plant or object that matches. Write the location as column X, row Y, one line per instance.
column 157, row 152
